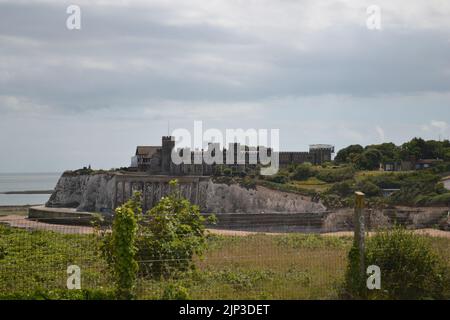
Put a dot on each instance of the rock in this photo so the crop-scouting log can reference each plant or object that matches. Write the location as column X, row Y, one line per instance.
column 91, row 192
column 96, row 192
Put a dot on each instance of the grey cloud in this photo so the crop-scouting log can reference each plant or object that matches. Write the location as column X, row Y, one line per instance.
column 125, row 57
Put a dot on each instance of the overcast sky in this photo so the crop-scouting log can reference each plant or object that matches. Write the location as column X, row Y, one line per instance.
column 310, row 68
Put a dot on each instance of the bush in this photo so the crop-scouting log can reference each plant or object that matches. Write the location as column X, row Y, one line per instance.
column 164, row 241
column 343, row 189
column 414, row 186
column 119, row 247
column 248, row 183
column 369, row 188
column 173, row 232
column 336, row 175
column 227, row 172
column 175, row 292
column 302, row 172
column 410, row 269
column 441, row 199
column 280, row 178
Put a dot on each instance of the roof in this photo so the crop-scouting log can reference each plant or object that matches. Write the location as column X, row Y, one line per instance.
column 146, row 150
column 429, row 161
column 321, row 146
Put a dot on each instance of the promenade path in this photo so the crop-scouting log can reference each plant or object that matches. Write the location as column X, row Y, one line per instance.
column 24, row 223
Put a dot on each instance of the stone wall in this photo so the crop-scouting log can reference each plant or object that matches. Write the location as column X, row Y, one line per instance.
column 411, row 218
column 238, row 208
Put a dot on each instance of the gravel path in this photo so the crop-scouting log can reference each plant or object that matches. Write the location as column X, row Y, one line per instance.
column 24, row 223
column 428, row 232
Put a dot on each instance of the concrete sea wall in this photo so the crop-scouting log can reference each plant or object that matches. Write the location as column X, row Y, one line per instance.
column 236, row 207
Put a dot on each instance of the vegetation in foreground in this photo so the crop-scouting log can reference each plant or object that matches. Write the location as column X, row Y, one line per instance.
column 166, row 253
column 411, row 268
column 33, row 266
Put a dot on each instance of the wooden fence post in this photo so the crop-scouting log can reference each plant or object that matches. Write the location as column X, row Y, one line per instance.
column 359, row 225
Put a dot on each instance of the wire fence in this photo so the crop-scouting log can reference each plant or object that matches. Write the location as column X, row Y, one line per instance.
column 236, row 264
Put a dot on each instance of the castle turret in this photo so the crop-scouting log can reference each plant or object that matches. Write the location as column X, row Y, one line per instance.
column 168, row 143
column 321, row 153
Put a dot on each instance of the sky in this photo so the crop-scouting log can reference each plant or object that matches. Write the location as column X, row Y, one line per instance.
column 138, row 69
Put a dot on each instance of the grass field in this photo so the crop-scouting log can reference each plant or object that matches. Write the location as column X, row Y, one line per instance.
column 313, row 184
column 253, row 267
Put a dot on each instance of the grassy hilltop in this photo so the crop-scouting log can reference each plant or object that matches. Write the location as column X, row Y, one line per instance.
column 358, row 168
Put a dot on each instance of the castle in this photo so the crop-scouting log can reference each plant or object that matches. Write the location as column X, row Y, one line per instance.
column 158, row 159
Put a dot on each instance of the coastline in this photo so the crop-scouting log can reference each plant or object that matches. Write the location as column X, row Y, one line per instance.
column 28, row 192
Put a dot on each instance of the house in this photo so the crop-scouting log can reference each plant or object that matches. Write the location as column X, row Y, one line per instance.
column 426, row 163
column 392, row 166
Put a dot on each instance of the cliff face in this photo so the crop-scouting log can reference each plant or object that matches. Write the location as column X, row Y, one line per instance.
column 93, row 192
column 233, row 198
column 101, row 192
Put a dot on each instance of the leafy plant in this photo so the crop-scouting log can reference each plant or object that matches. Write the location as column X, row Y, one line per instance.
column 172, row 233
column 410, row 268
column 120, row 246
column 302, row 172
column 175, row 291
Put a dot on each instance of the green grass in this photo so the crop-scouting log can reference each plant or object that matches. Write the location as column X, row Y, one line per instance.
column 35, row 260
column 313, row 184
column 260, row 266
column 363, row 174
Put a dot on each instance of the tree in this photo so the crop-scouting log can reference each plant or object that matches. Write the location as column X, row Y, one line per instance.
column 120, row 249
column 172, row 233
column 347, row 154
column 370, row 159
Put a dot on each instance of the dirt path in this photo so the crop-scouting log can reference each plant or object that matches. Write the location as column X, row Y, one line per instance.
column 24, row 223
column 428, row 232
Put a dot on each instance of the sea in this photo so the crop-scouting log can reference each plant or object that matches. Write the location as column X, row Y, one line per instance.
column 26, row 182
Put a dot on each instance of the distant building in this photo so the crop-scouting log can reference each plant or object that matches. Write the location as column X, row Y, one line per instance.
column 410, row 165
column 158, row 159
column 427, row 163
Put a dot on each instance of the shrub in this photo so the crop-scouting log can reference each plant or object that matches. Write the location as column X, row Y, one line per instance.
column 173, row 232
column 302, row 172
column 227, row 172
column 332, row 201
column 343, row 189
column 119, row 247
column 410, row 269
column 336, row 175
column 280, row 178
column 175, row 292
column 248, row 183
column 441, row 199
column 369, row 188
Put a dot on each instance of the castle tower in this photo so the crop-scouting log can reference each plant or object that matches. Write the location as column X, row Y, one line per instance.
column 321, row 153
column 168, row 143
